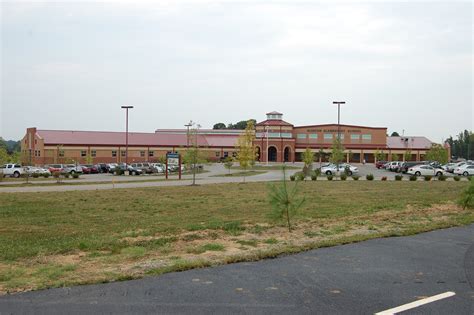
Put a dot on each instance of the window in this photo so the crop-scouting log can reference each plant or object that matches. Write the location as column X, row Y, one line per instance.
column 367, row 137
column 83, row 153
column 114, row 153
column 328, row 136
column 61, row 153
column 273, row 135
column 341, row 135
column 142, row 153
column 218, row 154
column 313, row 136
column 286, row 135
column 301, row 136
column 151, row 153
column 355, row 137
column 226, row 154
column 123, row 153
column 93, row 153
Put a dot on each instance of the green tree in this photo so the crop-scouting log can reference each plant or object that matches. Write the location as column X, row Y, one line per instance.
column 193, row 155
column 89, row 159
column 379, row 155
column 337, row 153
column 284, row 200
column 467, row 197
column 394, row 157
column 245, row 149
column 219, row 126
column 395, row 134
column 407, row 155
column 228, row 163
column 308, row 159
column 437, row 153
column 4, row 156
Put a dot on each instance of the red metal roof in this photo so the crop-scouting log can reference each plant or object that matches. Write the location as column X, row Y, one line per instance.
column 274, row 113
column 274, row 122
column 107, row 138
column 409, row 143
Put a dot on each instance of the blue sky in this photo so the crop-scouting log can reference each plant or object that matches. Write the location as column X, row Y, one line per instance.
column 401, row 65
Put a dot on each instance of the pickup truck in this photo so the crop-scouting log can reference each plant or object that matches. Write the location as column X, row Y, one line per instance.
column 13, row 170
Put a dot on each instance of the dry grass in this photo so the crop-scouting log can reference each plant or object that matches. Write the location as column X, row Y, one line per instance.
column 50, row 239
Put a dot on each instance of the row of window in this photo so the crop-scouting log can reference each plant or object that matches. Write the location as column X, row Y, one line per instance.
column 330, row 136
column 274, row 135
column 114, row 153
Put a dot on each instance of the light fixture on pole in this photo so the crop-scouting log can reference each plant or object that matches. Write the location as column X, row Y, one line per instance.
column 188, row 125
column 126, row 107
column 338, row 103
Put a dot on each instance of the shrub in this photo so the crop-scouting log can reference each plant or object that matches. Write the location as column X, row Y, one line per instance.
column 343, row 176
column 36, row 175
column 66, row 175
column 467, row 197
column 46, row 175
column 384, row 178
column 369, row 177
column 317, row 172
column 355, row 177
column 413, row 178
column 314, row 177
column 457, row 178
column 398, row 177
column 442, row 178
column 301, row 176
column 330, row 177
column 75, row 175
column 428, row 178
column 292, row 178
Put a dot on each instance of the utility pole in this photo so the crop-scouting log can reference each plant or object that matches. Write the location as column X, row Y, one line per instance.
column 126, row 107
column 338, row 103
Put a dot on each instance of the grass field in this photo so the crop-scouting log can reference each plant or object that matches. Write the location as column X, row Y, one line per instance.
column 56, row 239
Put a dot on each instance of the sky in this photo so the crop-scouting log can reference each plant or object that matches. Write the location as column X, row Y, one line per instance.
column 404, row 65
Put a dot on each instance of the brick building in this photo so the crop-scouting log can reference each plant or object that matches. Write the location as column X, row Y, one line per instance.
column 275, row 140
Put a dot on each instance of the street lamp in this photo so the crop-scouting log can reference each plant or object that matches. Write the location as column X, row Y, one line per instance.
column 126, row 107
column 338, row 103
column 188, row 125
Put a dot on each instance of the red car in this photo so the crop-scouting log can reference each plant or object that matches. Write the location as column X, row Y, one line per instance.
column 55, row 168
column 380, row 164
column 89, row 169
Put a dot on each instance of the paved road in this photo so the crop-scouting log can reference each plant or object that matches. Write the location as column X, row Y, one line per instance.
column 361, row 278
column 204, row 178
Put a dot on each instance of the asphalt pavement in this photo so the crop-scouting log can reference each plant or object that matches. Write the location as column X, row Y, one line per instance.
column 361, row 278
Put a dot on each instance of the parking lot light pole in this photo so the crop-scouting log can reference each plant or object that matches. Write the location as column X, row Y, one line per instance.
column 126, row 107
column 188, row 125
column 338, row 103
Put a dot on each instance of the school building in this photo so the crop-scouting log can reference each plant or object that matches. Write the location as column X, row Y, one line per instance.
column 275, row 140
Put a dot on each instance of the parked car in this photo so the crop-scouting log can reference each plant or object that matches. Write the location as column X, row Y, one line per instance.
column 89, row 169
column 465, row 170
column 131, row 169
column 394, row 166
column 102, row 167
column 72, row 169
column 145, row 167
column 13, row 170
column 53, row 168
column 36, row 170
column 333, row 169
column 160, row 168
column 406, row 165
column 111, row 167
column 380, row 164
column 425, row 170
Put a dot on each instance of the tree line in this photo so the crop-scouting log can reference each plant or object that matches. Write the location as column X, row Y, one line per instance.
column 463, row 145
column 9, row 151
column 241, row 125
